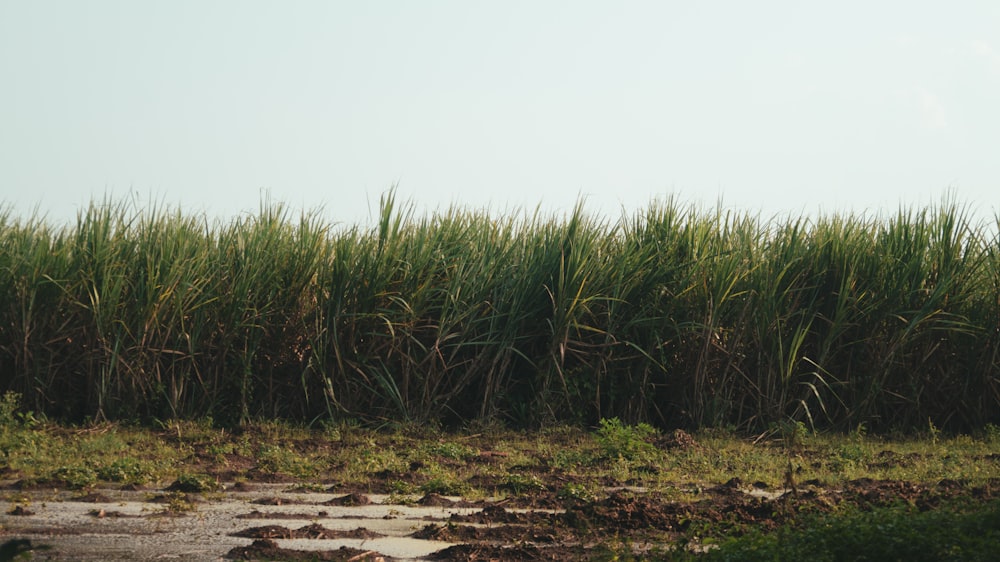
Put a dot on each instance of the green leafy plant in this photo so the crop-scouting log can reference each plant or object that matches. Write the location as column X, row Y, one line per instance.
column 576, row 492
column 178, row 502
column 9, row 403
column 627, row 442
column 519, row 484
column 130, row 470
column 74, row 477
column 192, row 482
column 450, row 450
column 444, row 482
column 10, row 416
column 276, row 459
column 991, row 433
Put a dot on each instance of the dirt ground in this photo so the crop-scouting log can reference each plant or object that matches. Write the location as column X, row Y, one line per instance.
column 271, row 521
column 259, row 515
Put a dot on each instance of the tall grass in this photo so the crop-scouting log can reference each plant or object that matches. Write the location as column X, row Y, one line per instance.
column 674, row 315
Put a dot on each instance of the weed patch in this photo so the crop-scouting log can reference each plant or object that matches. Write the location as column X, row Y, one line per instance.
column 618, row 440
column 892, row 533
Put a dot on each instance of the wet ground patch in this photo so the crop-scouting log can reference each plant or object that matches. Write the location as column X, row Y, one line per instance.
column 548, row 496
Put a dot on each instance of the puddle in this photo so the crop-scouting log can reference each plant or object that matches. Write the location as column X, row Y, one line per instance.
column 403, row 548
column 766, row 494
column 272, row 523
column 129, row 526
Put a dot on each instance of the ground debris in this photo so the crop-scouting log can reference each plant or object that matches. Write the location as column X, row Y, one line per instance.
column 314, row 531
column 280, row 515
column 489, row 552
column 266, row 549
column 679, row 439
column 274, row 500
column 353, row 499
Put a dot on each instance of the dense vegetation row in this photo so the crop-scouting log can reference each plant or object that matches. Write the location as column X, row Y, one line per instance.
column 676, row 316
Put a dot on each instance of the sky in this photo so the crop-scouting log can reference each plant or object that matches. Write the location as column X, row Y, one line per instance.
column 779, row 107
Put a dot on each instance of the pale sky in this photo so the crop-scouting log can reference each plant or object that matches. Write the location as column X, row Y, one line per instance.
column 783, row 107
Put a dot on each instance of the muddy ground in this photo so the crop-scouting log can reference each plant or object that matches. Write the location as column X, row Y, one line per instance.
column 266, row 521
column 265, row 515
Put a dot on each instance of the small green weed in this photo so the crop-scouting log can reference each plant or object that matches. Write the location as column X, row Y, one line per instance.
column 991, row 434
column 628, row 442
column 450, row 450
column 190, row 430
column 179, row 502
column 933, row 432
column 9, row 403
column 794, row 433
column 401, row 487
column 219, row 450
column 519, row 484
column 75, row 477
column 576, row 492
column 852, row 454
column 129, row 470
column 443, row 482
column 195, row 483
column 10, row 417
column 274, row 459
column 444, row 486
column 401, row 498
column 375, row 460
column 568, row 459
